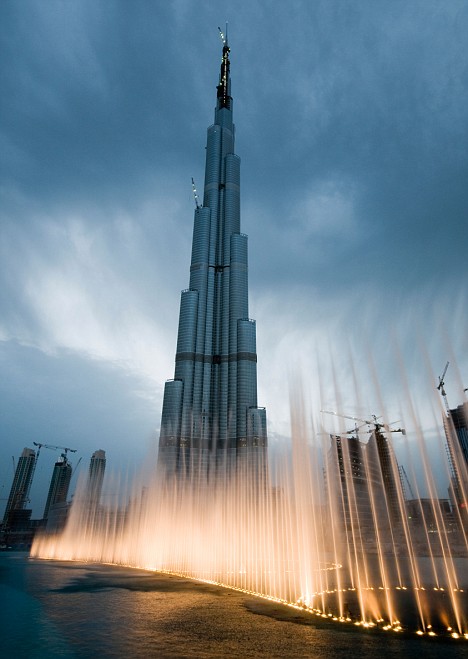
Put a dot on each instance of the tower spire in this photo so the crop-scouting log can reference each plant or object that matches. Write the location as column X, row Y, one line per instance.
column 224, row 87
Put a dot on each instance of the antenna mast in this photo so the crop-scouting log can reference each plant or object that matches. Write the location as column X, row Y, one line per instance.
column 223, row 36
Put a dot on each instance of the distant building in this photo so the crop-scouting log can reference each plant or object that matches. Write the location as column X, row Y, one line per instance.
column 456, row 433
column 362, row 491
column 59, row 484
column 380, row 452
column 90, row 509
column 19, row 493
column 347, row 482
column 355, row 484
column 459, row 417
column 97, row 467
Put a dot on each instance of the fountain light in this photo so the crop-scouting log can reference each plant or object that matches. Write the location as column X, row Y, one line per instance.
column 253, row 541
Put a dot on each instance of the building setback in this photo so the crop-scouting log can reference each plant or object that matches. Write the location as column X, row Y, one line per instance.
column 210, row 418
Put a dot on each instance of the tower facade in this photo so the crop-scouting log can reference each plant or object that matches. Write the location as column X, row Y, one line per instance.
column 97, row 468
column 210, row 418
column 459, row 416
column 456, row 432
column 21, row 485
column 59, row 484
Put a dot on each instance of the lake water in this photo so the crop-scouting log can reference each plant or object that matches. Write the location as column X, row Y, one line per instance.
column 57, row 609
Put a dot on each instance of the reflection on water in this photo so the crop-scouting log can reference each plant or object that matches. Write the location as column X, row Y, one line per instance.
column 77, row 610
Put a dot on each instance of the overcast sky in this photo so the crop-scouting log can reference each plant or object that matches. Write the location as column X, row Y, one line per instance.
column 352, row 127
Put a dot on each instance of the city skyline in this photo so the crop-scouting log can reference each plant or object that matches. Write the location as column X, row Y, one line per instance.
column 351, row 124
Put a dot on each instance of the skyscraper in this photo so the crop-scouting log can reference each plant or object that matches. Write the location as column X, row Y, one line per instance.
column 459, row 416
column 456, row 432
column 97, row 467
column 59, row 484
column 210, row 418
column 21, row 485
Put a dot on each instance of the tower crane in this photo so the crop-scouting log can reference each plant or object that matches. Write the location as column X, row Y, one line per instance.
column 449, row 428
column 441, row 387
column 404, row 475
column 55, row 448
column 76, row 466
column 377, row 425
column 39, row 445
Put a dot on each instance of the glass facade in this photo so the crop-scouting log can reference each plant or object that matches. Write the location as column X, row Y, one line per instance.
column 459, row 416
column 97, row 468
column 210, row 411
column 59, row 484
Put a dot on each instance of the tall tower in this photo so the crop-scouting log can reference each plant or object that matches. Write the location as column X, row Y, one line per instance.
column 21, row 485
column 459, row 416
column 210, row 418
column 456, row 433
column 97, row 467
column 59, row 484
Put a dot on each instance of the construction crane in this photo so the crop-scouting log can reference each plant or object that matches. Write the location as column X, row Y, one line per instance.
column 76, row 466
column 449, row 428
column 195, row 195
column 441, row 387
column 75, row 469
column 386, row 457
column 65, row 450
column 404, row 475
column 374, row 422
column 54, row 448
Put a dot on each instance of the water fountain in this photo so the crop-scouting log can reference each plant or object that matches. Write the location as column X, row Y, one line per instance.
column 330, row 531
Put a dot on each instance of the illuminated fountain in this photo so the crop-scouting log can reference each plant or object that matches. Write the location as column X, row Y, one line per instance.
column 347, row 546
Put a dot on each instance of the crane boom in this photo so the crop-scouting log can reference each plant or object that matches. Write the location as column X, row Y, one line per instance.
column 404, row 475
column 51, row 446
column 368, row 422
column 441, row 387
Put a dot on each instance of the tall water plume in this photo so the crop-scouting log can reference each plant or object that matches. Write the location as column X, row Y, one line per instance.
column 331, row 528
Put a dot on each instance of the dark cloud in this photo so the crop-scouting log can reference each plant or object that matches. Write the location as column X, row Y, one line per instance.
column 374, row 96
column 66, row 400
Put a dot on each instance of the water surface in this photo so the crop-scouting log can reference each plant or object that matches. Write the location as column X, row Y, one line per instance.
column 59, row 609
